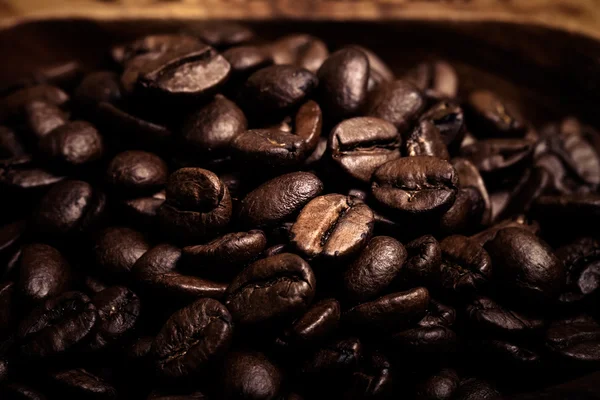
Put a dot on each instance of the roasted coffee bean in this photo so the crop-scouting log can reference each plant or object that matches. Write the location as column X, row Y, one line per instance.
column 16, row 391
column 429, row 340
column 308, row 124
column 277, row 200
column 374, row 380
column 466, row 267
column 419, row 185
column 82, row 384
column 73, row 145
column 57, row 325
column 95, row 88
column 12, row 106
column 468, row 176
column 143, row 210
column 222, row 34
column 43, row 117
column 225, row 256
column 277, row 89
column 186, row 77
column 439, row 386
column 281, row 286
column 44, row 272
column 245, row 60
column 25, row 180
column 524, row 263
column 69, row 208
column 269, row 148
column 10, row 144
column 425, row 140
column 473, row 389
column 197, row 207
column 152, row 44
column 93, row 284
column 332, row 227
column 576, row 340
column 448, row 117
column 118, row 310
column 301, row 50
column 398, row 102
column 489, row 115
column 581, row 260
column 192, row 338
column 157, row 273
column 379, row 71
column 334, row 363
column 490, row 233
column 487, row 315
column 567, row 210
column 424, row 259
column 466, row 214
column 312, row 162
column 318, row 323
column 389, row 313
column 210, row 130
column 374, row 269
column 250, row 376
column 360, row 145
column 343, row 80
column 8, row 309
column 511, row 355
column 437, row 79
column 3, row 370
column 188, row 396
column 117, row 249
column 438, row 314
column 530, row 187
column 135, row 173
column 498, row 157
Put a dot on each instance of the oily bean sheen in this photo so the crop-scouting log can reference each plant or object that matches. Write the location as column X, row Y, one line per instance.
column 491, row 116
column 136, row 173
column 279, row 199
column 250, row 376
column 192, row 338
column 245, row 60
column 280, row 286
column 375, row 268
column 398, row 102
column 269, row 148
column 425, row 140
column 343, row 80
column 319, row 322
column 360, row 145
column 82, row 384
column 42, row 117
column 437, row 79
column 417, row 185
column 73, row 144
column 44, row 272
column 439, row 386
column 300, row 49
column 466, row 266
column 117, row 249
column 449, row 118
column 332, row 227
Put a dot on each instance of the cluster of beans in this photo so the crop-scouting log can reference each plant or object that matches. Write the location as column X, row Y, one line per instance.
column 216, row 216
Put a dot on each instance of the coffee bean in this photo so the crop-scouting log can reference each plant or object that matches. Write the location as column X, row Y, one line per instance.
column 524, row 263
column 44, row 272
column 221, row 34
column 117, row 249
column 437, row 79
column 424, row 259
column 8, row 309
column 43, row 117
column 398, row 102
column 332, row 227
column 225, row 256
column 276, row 287
column 318, row 323
column 57, row 325
column 374, row 380
column 245, row 60
column 468, row 176
column 152, row 44
column 489, row 115
column 389, row 312
column 448, row 117
column 379, row 71
column 279, row 199
column 197, row 207
column 580, row 259
column 95, row 88
column 16, row 391
column 135, row 173
column 420, row 185
column 10, row 144
column 530, row 187
column 439, row 386
column 333, row 364
column 486, row 314
column 308, row 124
column 438, row 314
column 575, row 340
column 251, row 376
column 374, row 269
column 434, row 340
column 81, row 383
column 466, row 267
column 466, row 214
column 143, row 210
column 73, row 145
column 360, row 145
column 188, row 396
column 472, row 389
column 192, row 338
column 12, row 106
column 498, row 157
column 269, row 148
column 300, row 50
column 343, row 80
column 425, row 140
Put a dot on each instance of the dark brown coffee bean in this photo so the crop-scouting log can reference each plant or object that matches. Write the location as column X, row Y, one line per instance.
column 143, row 210
column 473, row 389
column 318, row 323
column 360, row 145
column 277, row 200
column 373, row 380
column 308, row 124
column 466, row 267
column 222, row 34
column 192, row 339
column 375, row 268
column 468, row 176
column 117, row 249
column 187, row 77
column 438, row 314
column 118, row 311
column 498, row 157
column 425, row 140
column 581, row 261
column 95, row 88
column 490, row 233
column 280, row 286
column 44, row 272
column 437, row 79
column 332, row 227
column 82, row 384
column 424, row 259
column 526, row 264
column 489, row 115
column 93, row 284
column 153, row 44
column 16, row 391
column 379, row 71
column 43, row 117
column 225, row 256
column 512, row 355
column 135, row 173
column 156, row 272
column 69, row 207
column 398, row 102
column 155, row 395
column 448, row 117
column 198, row 205
column 245, row 60
column 418, row 185
column 333, row 364
column 576, row 340
column 269, row 148
column 343, row 80
column 487, row 315
column 434, row 340
column 210, row 130
column 12, row 106
column 440, row 386
column 73, row 144
column 389, row 313
column 10, row 144
column 277, row 89
column 465, row 215
column 8, row 309
column 532, row 184
column 300, row 50
column 21, row 177
column 57, row 325
column 250, row 376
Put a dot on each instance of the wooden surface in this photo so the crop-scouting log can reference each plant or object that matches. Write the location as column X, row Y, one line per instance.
column 582, row 16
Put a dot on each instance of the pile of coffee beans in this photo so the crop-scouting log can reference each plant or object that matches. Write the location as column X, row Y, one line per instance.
column 211, row 215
